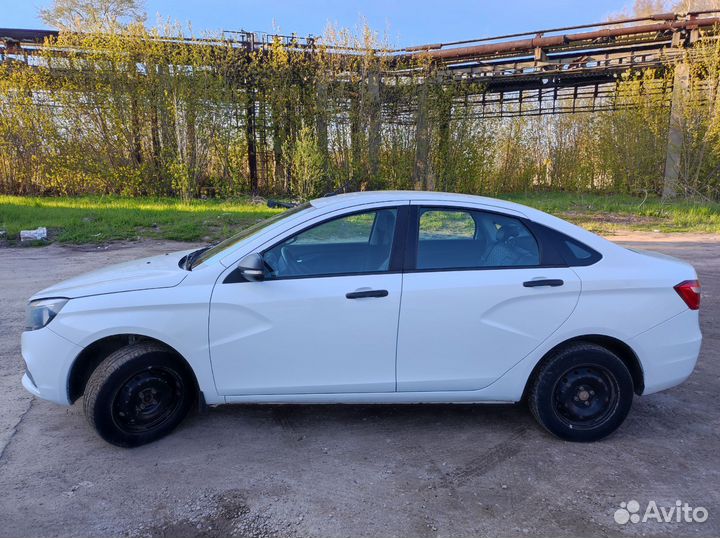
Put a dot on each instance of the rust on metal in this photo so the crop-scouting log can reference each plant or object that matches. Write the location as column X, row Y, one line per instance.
column 544, row 42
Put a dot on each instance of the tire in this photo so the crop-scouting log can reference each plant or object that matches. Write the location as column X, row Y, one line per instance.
column 138, row 394
column 582, row 393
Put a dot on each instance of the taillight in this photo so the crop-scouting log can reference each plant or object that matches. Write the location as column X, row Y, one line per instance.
column 689, row 290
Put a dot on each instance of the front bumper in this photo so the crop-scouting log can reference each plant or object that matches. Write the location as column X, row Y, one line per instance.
column 48, row 358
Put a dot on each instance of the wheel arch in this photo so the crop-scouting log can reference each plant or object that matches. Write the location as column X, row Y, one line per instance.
column 620, row 348
column 92, row 355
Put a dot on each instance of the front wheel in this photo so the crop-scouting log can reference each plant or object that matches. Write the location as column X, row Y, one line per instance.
column 138, row 394
column 583, row 393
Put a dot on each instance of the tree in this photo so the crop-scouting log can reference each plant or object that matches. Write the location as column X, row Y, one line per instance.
column 684, row 6
column 306, row 162
column 93, row 15
column 646, row 8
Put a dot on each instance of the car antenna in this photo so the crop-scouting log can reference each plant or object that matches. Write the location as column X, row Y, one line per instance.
column 343, row 188
column 277, row 203
column 273, row 204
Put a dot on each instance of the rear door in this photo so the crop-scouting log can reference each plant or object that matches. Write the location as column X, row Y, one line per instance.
column 478, row 296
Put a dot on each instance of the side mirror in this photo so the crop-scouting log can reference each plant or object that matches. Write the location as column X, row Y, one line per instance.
column 252, row 267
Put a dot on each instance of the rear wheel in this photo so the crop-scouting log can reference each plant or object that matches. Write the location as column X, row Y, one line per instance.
column 139, row 394
column 583, row 393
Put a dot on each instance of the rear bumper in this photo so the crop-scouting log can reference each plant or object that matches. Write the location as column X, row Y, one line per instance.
column 48, row 358
column 668, row 352
column 30, row 386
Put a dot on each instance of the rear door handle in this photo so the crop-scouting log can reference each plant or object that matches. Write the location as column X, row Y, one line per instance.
column 554, row 282
column 368, row 293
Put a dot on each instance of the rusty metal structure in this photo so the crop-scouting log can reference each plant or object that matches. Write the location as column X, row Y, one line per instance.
column 560, row 70
column 567, row 69
column 551, row 71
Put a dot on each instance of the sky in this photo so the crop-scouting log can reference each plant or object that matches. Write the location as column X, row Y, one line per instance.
column 403, row 22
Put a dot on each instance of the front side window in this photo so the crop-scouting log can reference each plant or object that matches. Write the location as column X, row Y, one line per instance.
column 467, row 239
column 357, row 243
column 248, row 232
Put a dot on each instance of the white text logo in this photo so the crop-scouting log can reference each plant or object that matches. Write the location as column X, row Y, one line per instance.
column 680, row 512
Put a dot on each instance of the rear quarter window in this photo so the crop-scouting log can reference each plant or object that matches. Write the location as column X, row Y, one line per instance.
column 576, row 253
column 561, row 249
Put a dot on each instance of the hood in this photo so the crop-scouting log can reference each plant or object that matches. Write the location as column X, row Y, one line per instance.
column 155, row 272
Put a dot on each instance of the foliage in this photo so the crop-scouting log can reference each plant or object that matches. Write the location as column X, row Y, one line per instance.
column 92, row 15
column 306, row 164
column 148, row 112
column 700, row 123
column 95, row 219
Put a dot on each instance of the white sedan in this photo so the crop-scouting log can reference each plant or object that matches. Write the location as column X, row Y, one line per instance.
column 376, row 297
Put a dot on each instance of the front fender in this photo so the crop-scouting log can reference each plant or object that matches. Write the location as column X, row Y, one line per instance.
column 178, row 319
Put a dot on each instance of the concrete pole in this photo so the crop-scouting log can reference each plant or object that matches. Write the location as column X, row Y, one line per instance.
column 374, row 126
column 251, row 142
column 422, row 141
column 321, row 123
column 681, row 84
column 443, row 129
column 250, row 127
column 358, row 175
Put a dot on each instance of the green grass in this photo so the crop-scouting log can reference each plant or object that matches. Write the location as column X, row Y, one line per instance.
column 611, row 213
column 102, row 219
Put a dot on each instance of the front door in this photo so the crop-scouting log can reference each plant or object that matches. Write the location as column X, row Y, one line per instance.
column 325, row 318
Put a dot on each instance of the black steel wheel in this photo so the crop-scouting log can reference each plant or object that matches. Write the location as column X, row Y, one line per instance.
column 138, row 394
column 583, row 393
column 586, row 396
column 147, row 399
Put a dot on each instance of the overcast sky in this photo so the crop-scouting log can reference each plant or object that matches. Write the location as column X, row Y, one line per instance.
column 405, row 22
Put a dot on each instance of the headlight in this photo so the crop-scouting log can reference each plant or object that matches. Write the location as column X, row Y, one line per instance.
column 41, row 312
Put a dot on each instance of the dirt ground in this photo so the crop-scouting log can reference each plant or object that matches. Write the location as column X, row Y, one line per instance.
column 351, row 470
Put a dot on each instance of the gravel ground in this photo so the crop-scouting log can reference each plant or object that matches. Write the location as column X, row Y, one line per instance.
column 350, row 470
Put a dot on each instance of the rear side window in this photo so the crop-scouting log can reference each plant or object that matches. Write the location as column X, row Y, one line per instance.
column 576, row 253
column 563, row 249
column 442, row 224
column 466, row 239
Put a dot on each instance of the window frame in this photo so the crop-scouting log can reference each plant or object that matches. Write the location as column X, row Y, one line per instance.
column 403, row 256
column 549, row 257
column 396, row 252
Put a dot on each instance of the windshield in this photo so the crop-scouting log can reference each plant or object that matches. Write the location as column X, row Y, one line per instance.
column 245, row 233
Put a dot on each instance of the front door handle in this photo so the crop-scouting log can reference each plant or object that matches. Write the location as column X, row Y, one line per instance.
column 554, row 282
column 368, row 293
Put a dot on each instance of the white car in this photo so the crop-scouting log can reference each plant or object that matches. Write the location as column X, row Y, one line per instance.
column 376, row 297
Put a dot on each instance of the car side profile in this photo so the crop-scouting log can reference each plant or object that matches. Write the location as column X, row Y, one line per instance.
column 375, row 297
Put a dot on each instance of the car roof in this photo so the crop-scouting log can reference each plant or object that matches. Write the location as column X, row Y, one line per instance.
column 367, row 197
column 344, row 201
